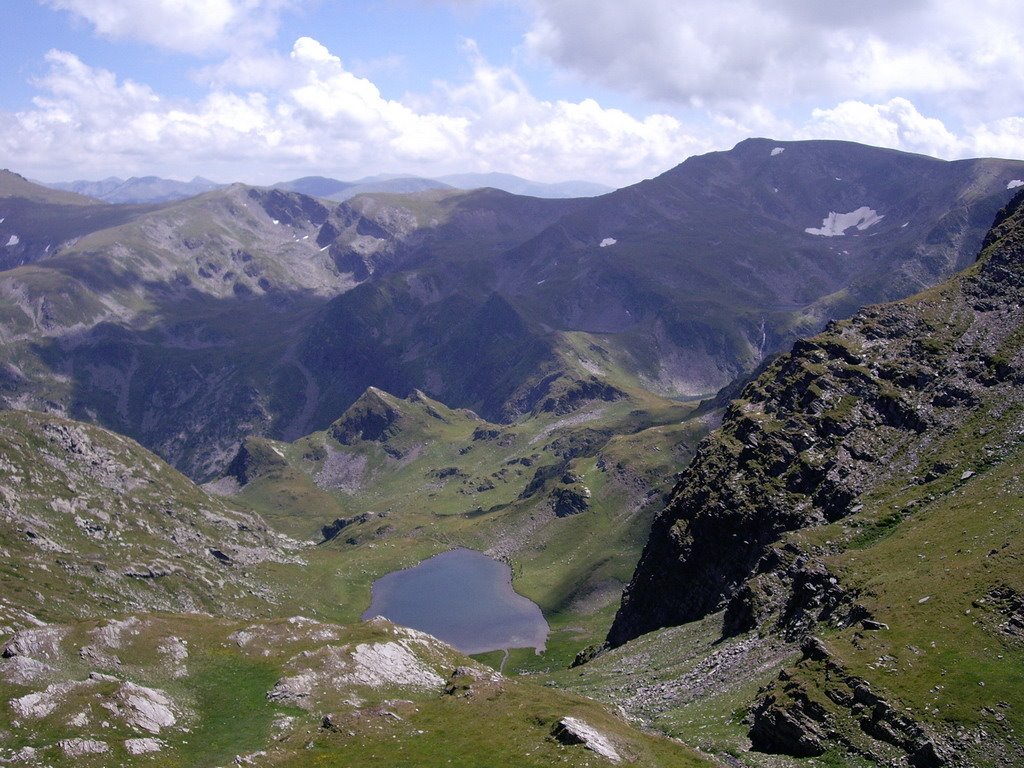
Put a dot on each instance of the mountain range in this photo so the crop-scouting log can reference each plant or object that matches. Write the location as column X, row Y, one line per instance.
column 480, row 299
column 153, row 189
column 819, row 561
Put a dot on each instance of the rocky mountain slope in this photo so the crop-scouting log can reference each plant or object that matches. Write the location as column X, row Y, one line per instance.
column 145, row 622
column 258, row 311
column 693, row 277
column 860, row 501
column 837, row 574
column 175, row 690
column 213, row 305
column 90, row 523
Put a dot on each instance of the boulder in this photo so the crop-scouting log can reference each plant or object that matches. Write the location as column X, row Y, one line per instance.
column 570, row 730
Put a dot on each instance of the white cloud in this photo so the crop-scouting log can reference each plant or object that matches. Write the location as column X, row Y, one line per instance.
column 918, row 75
column 318, row 117
column 1000, row 138
column 899, row 124
column 896, row 124
column 191, row 26
column 726, row 55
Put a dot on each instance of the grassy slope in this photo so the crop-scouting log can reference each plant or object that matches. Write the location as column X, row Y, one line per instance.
column 92, row 522
column 219, row 694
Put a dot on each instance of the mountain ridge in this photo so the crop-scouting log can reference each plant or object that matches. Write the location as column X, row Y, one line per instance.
column 633, row 287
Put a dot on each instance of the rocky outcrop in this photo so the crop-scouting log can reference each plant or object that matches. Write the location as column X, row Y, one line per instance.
column 570, row 500
column 791, row 593
column 403, row 658
column 468, row 682
column 117, row 527
column 290, row 209
column 80, row 747
column 574, row 394
column 254, row 459
column 333, row 529
column 40, row 643
column 372, row 417
column 886, row 403
column 788, row 720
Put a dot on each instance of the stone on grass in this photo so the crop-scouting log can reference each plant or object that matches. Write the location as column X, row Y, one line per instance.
column 570, row 730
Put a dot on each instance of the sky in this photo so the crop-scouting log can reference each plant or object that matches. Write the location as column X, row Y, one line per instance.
column 611, row 91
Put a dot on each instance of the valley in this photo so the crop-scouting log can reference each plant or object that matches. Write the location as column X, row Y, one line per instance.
column 227, row 416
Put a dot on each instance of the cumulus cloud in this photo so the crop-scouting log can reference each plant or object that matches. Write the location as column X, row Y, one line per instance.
column 191, row 26
column 318, row 117
column 897, row 124
column 1000, row 138
column 916, row 75
column 725, row 55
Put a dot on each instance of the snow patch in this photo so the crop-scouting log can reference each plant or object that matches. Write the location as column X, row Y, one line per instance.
column 836, row 224
column 14, row 240
column 1012, row 185
column 608, row 241
column 778, row 151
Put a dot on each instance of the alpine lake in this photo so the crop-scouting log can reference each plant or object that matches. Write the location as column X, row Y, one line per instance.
column 464, row 598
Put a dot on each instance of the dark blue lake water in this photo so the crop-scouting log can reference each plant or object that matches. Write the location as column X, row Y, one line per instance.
column 464, row 598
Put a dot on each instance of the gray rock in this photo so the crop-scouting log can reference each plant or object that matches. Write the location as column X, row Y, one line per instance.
column 147, row 709
column 142, row 746
column 38, row 642
column 79, row 747
column 570, row 730
column 22, row 670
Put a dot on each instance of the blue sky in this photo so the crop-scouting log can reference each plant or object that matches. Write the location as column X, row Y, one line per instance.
column 609, row 91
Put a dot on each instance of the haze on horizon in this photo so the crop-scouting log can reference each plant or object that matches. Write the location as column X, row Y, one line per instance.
column 550, row 90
